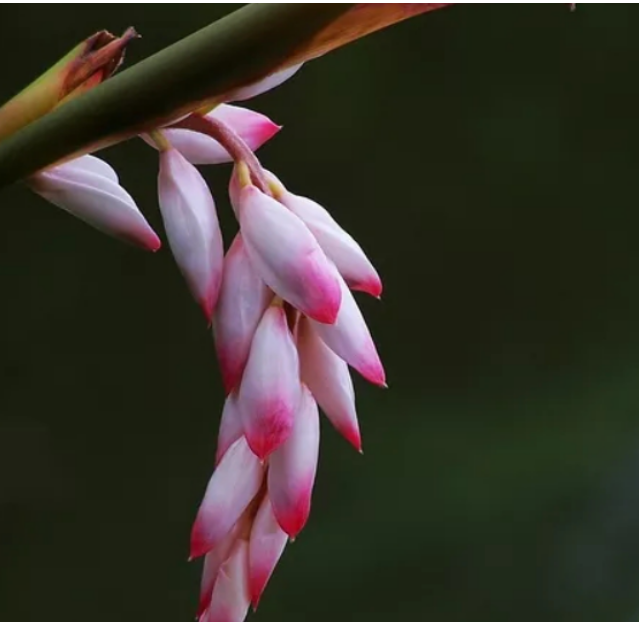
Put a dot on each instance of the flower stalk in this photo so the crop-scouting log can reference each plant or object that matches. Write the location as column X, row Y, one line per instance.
column 233, row 143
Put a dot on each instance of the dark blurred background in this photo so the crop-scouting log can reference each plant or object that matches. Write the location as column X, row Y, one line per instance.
column 486, row 158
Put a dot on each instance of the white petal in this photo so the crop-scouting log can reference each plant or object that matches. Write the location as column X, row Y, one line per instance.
column 350, row 339
column 242, row 301
column 212, row 564
column 352, row 263
column 328, row 378
column 293, row 467
column 230, row 428
column 231, row 595
column 235, row 482
column 264, row 85
column 287, row 257
column 192, row 227
column 90, row 164
column 97, row 200
column 267, row 542
column 252, row 127
column 270, row 388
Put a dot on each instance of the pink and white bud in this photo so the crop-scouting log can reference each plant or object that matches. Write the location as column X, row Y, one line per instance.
column 267, row 542
column 235, row 482
column 92, row 164
column 231, row 594
column 242, row 301
column 340, row 247
column 192, row 227
column 264, row 85
column 212, row 564
column 270, row 388
column 253, row 127
column 328, row 378
column 231, row 426
column 88, row 188
column 293, row 467
column 287, row 257
column 350, row 339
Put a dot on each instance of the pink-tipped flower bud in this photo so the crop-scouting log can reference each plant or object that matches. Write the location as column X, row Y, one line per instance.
column 267, row 542
column 293, row 467
column 212, row 564
column 340, row 247
column 287, row 257
column 235, row 482
column 328, row 378
column 231, row 426
column 242, row 301
column 192, row 227
column 231, row 594
column 254, row 128
column 350, row 339
column 270, row 389
column 88, row 188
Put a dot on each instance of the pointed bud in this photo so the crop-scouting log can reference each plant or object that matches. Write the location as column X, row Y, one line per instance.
column 242, row 301
column 267, row 542
column 192, row 227
column 293, row 467
column 231, row 595
column 211, row 565
column 287, row 257
column 230, row 428
column 264, row 85
column 350, row 339
column 88, row 189
column 270, row 389
column 337, row 244
column 254, row 128
column 91, row 164
column 328, row 378
column 233, row 485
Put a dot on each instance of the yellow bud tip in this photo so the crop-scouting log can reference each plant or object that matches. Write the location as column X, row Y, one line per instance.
column 160, row 140
column 243, row 173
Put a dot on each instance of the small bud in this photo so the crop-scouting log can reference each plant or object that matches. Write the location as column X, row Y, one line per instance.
column 231, row 594
column 350, row 339
column 340, row 247
column 192, row 227
column 267, row 542
column 270, row 389
column 211, row 565
column 230, row 428
column 328, row 378
column 287, row 257
column 88, row 188
column 293, row 467
column 242, row 301
column 231, row 488
column 252, row 127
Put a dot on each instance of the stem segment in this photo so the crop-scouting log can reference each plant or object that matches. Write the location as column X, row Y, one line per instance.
column 232, row 142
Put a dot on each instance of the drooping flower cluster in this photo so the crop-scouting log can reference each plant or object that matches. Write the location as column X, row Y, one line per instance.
column 285, row 322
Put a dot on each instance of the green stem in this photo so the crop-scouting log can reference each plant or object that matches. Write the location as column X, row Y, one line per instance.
column 236, row 50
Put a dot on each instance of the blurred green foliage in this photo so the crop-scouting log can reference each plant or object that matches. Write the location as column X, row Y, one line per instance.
column 486, row 158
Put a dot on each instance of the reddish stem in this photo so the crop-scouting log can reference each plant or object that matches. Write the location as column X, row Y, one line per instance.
column 231, row 141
